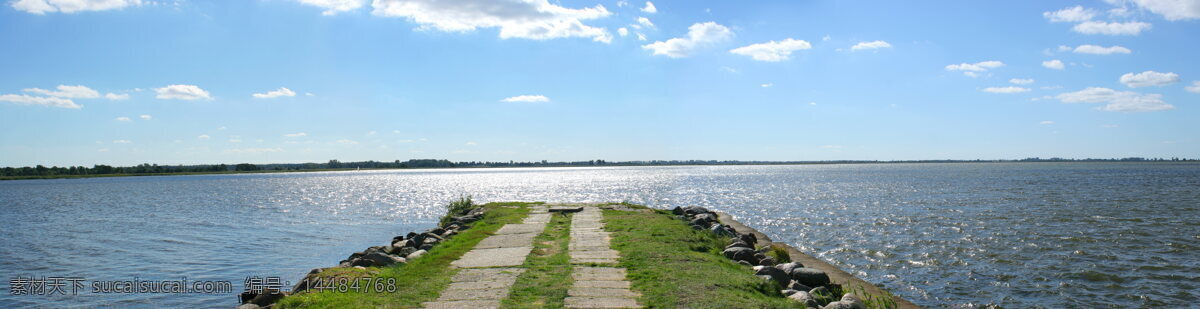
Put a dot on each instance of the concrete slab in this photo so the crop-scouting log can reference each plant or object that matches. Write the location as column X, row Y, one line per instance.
column 601, row 292
column 480, row 285
column 600, row 302
column 484, row 294
column 521, row 228
column 506, row 241
column 495, row 257
column 601, row 284
column 487, row 274
column 598, row 274
column 463, row 304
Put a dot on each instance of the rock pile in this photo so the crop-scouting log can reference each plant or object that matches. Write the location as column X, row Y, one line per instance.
column 399, row 251
column 809, row 286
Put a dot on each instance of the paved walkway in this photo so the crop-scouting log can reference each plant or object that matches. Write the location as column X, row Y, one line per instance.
column 489, row 269
column 596, row 287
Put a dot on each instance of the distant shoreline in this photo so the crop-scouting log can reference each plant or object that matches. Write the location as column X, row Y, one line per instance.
column 485, row 165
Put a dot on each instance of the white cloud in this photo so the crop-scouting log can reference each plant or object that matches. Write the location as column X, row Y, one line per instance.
column 203, row 136
column 1113, row 28
column 870, row 45
column 767, row 85
column 1194, row 88
column 254, row 150
column 1063, row 48
column 69, row 92
column 309, row 94
column 181, row 92
column 1117, row 101
column 235, row 140
column 24, row 99
column 527, row 19
column 1100, row 50
column 644, row 22
column 347, row 142
column 332, row 7
column 114, row 96
column 622, row 3
column 125, row 119
column 1172, row 10
column 1021, row 81
column 300, row 134
column 1046, row 122
column 622, row 31
column 527, row 98
column 1149, row 78
column 41, row 7
column 221, row 128
column 281, row 92
column 471, row 144
column 772, row 51
column 1009, row 89
column 641, row 37
column 1053, row 64
column 145, row 117
column 972, row 69
column 1071, row 14
column 122, row 141
column 699, row 35
column 649, row 8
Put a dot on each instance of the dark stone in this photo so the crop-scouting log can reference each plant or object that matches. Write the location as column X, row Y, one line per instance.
column 740, row 254
column 804, row 298
column 798, row 286
column 437, row 231
column 810, row 276
column 745, row 263
column 397, row 238
column 700, row 222
column 788, row 267
column 748, row 238
column 427, row 247
column 773, row 274
column 410, row 235
column 308, row 282
column 677, row 210
column 697, row 227
column 722, row 230
column 381, row 259
column 705, row 217
column 822, row 295
column 267, row 299
column 787, row 293
column 361, row 262
column 695, row 210
column 738, row 244
column 768, row 261
column 405, row 251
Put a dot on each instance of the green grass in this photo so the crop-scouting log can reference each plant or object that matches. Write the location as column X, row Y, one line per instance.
column 544, row 284
column 420, row 280
column 674, row 266
column 457, row 208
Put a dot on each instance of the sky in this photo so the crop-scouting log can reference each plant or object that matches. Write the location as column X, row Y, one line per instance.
column 124, row 82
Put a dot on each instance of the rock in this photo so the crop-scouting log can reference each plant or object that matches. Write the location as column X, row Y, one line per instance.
column 700, row 222
column 449, row 233
column 748, row 238
column 426, row 247
column 822, row 295
column 745, row 263
column 788, row 267
column 769, row 261
column 677, row 210
column 738, row 244
column 248, row 306
column 705, row 217
column 697, row 227
column 415, row 254
column 740, row 254
column 810, row 276
column 722, row 230
column 437, row 231
column 382, row 259
column 854, row 301
column 695, row 210
column 410, row 235
column 787, row 293
column 397, row 238
column 263, row 300
column 844, row 305
column 361, row 262
column 804, row 298
column 308, row 282
column 773, row 274
column 798, row 286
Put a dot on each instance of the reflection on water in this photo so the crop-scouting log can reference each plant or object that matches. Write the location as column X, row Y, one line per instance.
column 942, row 235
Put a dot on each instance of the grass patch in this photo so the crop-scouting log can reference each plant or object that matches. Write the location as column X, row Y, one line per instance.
column 544, row 284
column 780, row 255
column 674, row 266
column 420, row 280
column 457, row 208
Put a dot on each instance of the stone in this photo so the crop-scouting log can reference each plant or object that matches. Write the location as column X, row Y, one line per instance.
column 773, row 274
column 382, row 259
column 426, row 247
column 810, row 276
column 788, row 267
column 804, row 298
column 248, row 306
column 705, row 217
column 677, row 210
column 789, row 292
column 722, row 230
column 844, row 305
column 745, row 263
column 415, row 254
column 768, row 261
column 853, row 301
column 798, row 286
column 822, row 295
column 739, row 254
column 700, row 222
column 361, row 262
column 748, row 238
column 738, row 244
column 695, row 210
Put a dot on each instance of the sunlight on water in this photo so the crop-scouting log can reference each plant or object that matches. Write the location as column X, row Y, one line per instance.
column 941, row 235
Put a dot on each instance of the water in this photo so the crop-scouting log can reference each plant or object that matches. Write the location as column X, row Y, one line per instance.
column 1087, row 235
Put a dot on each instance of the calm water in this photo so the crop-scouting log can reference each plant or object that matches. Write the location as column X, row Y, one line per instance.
column 942, row 235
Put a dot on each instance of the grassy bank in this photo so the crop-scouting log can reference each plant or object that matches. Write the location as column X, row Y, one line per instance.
column 419, row 281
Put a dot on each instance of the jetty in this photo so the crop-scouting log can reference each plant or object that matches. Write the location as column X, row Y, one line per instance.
column 595, row 255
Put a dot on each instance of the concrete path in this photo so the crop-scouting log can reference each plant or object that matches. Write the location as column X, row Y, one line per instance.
column 489, row 269
column 596, row 287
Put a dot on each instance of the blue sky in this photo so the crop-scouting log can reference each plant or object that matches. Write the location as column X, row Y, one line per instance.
column 182, row 82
